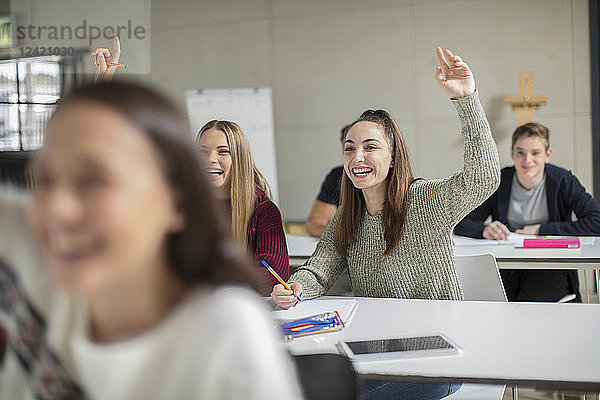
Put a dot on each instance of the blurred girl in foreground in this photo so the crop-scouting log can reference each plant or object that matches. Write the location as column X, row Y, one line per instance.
column 145, row 304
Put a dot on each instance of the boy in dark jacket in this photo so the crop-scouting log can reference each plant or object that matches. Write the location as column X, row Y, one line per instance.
column 536, row 198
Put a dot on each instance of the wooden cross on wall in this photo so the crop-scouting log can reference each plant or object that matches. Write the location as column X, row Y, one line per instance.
column 526, row 102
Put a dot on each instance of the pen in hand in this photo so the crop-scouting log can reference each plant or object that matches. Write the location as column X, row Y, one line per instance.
column 276, row 275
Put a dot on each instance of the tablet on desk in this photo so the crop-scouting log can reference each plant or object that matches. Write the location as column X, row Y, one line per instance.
column 402, row 347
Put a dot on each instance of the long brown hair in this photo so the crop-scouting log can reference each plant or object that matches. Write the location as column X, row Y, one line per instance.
column 245, row 177
column 399, row 178
column 203, row 250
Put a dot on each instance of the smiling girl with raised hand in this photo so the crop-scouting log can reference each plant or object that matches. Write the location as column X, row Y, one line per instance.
column 393, row 232
column 147, row 302
column 255, row 220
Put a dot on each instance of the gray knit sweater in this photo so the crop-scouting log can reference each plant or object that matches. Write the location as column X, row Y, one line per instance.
column 422, row 265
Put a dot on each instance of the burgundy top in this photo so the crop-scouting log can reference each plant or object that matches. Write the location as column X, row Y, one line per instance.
column 266, row 239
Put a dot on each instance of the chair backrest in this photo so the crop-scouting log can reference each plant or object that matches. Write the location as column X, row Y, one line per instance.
column 326, row 377
column 480, row 278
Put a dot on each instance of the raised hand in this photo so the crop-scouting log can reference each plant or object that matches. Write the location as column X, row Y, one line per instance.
column 453, row 75
column 103, row 58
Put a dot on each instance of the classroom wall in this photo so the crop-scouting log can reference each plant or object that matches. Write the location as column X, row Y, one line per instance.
column 328, row 60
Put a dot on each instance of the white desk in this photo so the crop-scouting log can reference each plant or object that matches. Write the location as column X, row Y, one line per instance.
column 511, row 257
column 587, row 257
column 552, row 346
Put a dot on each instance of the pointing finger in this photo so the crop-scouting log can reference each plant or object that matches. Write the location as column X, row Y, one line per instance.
column 449, row 56
column 117, row 49
column 442, row 60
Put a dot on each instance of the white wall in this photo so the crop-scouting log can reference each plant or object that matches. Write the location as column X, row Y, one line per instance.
column 85, row 24
column 328, row 60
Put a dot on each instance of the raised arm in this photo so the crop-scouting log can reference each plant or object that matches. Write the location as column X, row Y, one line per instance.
column 480, row 177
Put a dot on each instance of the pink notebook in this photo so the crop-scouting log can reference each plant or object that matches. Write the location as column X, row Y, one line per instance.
column 558, row 243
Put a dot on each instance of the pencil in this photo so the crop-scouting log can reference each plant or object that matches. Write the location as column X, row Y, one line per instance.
column 276, row 275
column 117, row 65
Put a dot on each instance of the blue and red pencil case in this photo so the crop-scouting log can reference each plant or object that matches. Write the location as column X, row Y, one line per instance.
column 319, row 323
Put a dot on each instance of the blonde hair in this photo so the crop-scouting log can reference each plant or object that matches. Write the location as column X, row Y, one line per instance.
column 244, row 178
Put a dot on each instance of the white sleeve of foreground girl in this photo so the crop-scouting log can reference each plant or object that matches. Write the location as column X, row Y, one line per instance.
column 251, row 362
column 218, row 344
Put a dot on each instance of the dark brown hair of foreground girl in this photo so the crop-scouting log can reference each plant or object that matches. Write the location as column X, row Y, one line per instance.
column 395, row 206
column 202, row 252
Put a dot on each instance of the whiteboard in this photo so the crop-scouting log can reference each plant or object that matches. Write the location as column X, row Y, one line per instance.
column 252, row 110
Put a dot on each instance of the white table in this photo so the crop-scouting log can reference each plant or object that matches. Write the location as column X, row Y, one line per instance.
column 551, row 346
column 511, row 257
column 587, row 257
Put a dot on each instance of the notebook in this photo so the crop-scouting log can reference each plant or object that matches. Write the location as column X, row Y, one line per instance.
column 554, row 243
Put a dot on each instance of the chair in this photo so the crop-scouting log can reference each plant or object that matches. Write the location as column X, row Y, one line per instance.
column 567, row 298
column 326, row 377
column 478, row 392
column 480, row 281
column 480, row 278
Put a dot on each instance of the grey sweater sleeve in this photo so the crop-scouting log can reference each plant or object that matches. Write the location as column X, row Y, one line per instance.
column 323, row 268
column 480, row 177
